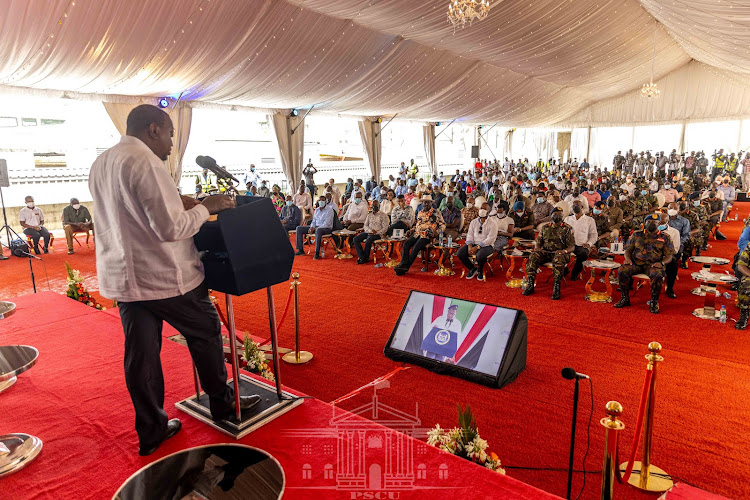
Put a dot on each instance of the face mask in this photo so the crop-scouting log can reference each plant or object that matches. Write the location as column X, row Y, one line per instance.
column 557, row 218
column 597, row 211
column 662, row 227
column 30, row 204
column 611, row 204
column 591, row 191
column 321, row 204
column 289, row 203
column 519, row 213
column 501, row 214
column 482, row 213
column 696, row 203
column 540, row 199
column 76, row 206
column 357, row 200
column 623, row 197
column 252, row 170
column 672, row 212
column 470, row 205
column 644, row 192
column 577, row 209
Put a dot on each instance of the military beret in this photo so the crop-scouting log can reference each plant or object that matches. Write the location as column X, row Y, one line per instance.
column 695, row 195
column 557, row 209
column 600, row 204
column 519, row 205
column 650, row 217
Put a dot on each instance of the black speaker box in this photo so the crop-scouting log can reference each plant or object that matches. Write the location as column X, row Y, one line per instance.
column 246, row 248
column 475, row 152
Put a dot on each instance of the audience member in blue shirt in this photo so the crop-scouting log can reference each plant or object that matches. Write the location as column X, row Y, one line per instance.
column 291, row 215
column 322, row 224
column 744, row 239
column 603, row 192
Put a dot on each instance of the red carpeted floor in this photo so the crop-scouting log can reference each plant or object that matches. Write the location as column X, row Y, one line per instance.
column 348, row 312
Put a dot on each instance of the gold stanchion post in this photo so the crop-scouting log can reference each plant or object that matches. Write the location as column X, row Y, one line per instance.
column 296, row 357
column 646, row 476
column 612, row 426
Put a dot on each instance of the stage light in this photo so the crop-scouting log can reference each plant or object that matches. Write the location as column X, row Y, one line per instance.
column 379, row 120
column 293, row 112
column 163, row 102
column 437, row 124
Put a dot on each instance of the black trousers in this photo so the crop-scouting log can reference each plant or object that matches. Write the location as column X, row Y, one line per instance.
column 412, row 247
column 369, row 239
column 482, row 255
column 671, row 270
column 193, row 316
column 581, row 253
column 36, row 236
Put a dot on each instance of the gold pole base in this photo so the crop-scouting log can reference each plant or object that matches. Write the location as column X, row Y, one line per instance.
column 654, row 484
column 514, row 283
column 392, row 263
column 268, row 348
column 343, row 256
column 599, row 297
column 7, row 383
column 291, row 357
column 444, row 271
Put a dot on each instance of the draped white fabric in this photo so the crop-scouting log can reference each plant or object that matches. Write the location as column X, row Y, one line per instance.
column 369, row 131
column 579, row 143
column 429, row 147
column 118, row 113
column 528, row 64
column 182, row 119
column 291, row 145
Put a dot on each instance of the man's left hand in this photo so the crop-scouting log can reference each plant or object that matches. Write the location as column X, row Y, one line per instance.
column 188, row 202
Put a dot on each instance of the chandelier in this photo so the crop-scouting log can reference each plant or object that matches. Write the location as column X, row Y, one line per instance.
column 649, row 90
column 461, row 12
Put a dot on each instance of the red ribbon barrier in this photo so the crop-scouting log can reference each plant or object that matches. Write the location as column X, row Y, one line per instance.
column 637, row 432
column 263, row 342
column 371, row 384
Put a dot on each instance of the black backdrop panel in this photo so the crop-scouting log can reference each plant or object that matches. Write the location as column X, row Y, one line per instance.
column 482, row 343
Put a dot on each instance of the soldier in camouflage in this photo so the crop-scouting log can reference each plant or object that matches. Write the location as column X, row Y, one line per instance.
column 693, row 214
column 628, row 215
column 743, row 292
column 647, row 252
column 555, row 243
column 603, row 231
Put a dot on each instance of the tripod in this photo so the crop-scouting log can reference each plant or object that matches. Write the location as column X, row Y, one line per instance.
column 6, row 227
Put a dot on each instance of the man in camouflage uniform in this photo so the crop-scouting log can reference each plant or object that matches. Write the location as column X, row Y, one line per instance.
column 647, row 252
column 695, row 242
column 743, row 292
column 628, row 216
column 603, row 231
column 555, row 243
column 714, row 210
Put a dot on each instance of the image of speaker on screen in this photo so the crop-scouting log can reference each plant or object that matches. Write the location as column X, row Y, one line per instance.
column 467, row 334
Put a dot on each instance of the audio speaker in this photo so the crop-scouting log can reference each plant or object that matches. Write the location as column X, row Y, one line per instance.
column 475, row 151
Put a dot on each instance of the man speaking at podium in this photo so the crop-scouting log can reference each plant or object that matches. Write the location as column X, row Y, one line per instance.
column 146, row 260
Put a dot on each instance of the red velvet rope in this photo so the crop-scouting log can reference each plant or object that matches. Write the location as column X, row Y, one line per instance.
column 637, row 431
column 283, row 317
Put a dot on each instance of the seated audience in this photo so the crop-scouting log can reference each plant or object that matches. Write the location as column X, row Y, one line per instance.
column 470, row 212
column 291, row 215
column 303, row 200
column 554, row 244
column 452, row 217
column 376, row 225
column 76, row 219
column 356, row 214
column 387, row 204
column 523, row 221
column 585, row 235
column 31, row 218
column 402, row 216
column 504, row 225
column 480, row 241
column 322, row 224
column 429, row 224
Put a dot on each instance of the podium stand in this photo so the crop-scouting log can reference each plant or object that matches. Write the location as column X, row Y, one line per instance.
column 246, row 249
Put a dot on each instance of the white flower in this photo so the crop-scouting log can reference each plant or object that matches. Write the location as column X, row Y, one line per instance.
column 436, row 436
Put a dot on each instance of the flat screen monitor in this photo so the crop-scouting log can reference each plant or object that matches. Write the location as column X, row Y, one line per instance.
column 480, row 342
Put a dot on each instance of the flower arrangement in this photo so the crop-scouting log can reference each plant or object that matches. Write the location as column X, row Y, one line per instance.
column 464, row 441
column 256, row 359
column 77, row 291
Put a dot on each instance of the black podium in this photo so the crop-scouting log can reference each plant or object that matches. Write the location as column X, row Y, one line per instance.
column 244, row 250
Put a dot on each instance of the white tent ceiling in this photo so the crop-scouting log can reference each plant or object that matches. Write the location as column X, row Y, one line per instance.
column 530, row 63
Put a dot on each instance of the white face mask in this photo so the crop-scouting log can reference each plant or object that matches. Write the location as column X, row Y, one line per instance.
column 623, row 197
column 672, row 212
column 470, row 205
column 482, row 213
column 30, row 204
column 76, row 206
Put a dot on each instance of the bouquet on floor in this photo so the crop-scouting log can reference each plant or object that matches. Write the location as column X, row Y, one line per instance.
column 77, row 291
column 464, row 441
column 256, row 359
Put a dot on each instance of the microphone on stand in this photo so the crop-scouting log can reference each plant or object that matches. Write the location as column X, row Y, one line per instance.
column 210, row 164
column 571, row 374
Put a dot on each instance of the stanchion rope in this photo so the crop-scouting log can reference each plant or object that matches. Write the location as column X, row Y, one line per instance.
column 623, row 478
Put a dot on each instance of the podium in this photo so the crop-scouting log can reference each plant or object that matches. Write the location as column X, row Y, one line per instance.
column 244, row 250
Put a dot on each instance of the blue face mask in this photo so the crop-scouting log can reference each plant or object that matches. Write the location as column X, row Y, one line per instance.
column 597, row 211
column 540, row 199
column 357, row 200
column 644, row 192
column 696, row 203
column 321, row 204
column 289, row 203
column 663, row 227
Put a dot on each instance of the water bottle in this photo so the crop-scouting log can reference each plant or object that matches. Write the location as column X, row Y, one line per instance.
column 378, row 265
column 440, row 241
column 450, row 240
column 723, row 314
column 727, row 296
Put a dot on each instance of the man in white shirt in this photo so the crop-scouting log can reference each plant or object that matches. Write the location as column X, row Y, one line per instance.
column 629, row 186
column 253, row 177
column 335, row 192
column 577, row 196
column 450, row 323
column 303, row 200
column 356, row 214
column 146, row 260
column 584, row 232
column 31, row 219
column 480, row 241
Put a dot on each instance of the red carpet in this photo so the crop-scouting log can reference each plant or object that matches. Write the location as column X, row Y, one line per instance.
column 75, row 400
column 348, row 312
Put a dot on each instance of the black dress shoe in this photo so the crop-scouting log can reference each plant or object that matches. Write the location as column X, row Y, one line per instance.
column 246, row 402
column 173, row 426
column 670, row 293
column 299, row 252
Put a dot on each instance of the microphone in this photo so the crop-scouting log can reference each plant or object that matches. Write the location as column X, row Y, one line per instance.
column 210, row 164
column 20, row 253
column 571, row 374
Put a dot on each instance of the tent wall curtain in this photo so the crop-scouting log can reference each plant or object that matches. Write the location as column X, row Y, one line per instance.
column 369, row 131
column 182, row 119
column 429, row 147
column 291, row 145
